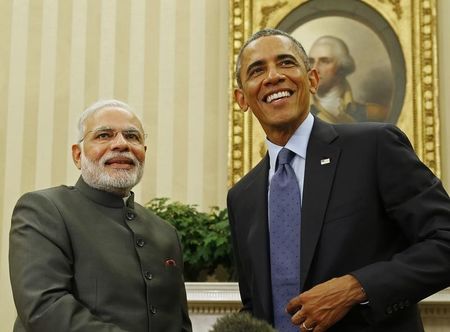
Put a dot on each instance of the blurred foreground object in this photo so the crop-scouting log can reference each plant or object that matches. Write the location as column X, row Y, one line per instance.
column 241, row 322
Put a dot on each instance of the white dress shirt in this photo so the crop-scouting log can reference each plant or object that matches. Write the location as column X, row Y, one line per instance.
column 297, row 144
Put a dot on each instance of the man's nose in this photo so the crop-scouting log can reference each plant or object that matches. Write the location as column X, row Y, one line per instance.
column 273, row 75
column 119, row 142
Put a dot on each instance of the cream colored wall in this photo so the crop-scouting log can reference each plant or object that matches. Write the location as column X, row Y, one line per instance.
column 167, row 58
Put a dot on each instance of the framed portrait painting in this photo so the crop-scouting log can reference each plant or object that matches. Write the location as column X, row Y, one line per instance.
column 386, row 67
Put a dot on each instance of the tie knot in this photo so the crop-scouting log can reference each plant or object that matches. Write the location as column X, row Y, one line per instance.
column 285, row 156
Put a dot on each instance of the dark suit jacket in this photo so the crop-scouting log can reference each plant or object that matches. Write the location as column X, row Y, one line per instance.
column 375, row 211
column 80, row 260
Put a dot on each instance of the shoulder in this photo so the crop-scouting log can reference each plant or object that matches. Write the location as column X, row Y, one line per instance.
column 372, row 135
column 363, row 128
column 377, row 130
column 48, row 194
column 42, row 210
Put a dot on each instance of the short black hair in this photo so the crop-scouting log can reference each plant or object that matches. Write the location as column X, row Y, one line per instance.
column 265, row 33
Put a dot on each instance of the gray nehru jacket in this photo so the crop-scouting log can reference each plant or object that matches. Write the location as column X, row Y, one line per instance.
column 82, row 260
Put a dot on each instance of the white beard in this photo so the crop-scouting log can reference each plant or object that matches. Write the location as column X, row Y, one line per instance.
column 98, row 176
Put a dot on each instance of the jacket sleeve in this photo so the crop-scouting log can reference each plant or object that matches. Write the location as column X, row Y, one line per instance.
column 41, row 270
column 186, row 325
column 416, row 202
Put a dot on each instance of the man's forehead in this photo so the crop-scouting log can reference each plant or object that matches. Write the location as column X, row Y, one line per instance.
column 322, row 48
column 113, row 115
column 268, row 47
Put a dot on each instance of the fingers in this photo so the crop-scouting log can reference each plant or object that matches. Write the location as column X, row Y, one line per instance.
column 307, row 326
column 294, row 305
column 307, row 323
column 303, row 322
column 298, row 318
column 325, row 304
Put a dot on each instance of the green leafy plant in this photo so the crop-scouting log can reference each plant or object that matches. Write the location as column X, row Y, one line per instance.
column 205, row 238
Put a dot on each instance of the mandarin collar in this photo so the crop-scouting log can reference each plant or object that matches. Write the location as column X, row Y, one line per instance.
column 103, row 197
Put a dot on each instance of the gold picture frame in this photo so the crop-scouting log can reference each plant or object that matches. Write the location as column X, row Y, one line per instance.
column 412, row 24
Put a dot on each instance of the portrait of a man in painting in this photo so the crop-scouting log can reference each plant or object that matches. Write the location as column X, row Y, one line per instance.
column 358, row 80
column 334, row 101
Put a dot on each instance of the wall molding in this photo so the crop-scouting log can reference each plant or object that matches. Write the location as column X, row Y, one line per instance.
column 217, row 298
column 213, row 297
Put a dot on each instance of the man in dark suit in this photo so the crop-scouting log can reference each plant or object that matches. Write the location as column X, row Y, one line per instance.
column 87, row 257
column 374, row 223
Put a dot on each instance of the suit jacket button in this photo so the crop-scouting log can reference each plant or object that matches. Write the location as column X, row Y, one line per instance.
column 148, row 275
column 140, row 243
column 130, row 216
column 153, row 310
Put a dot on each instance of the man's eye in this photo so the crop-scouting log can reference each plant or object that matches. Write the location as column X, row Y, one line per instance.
column 132, row 136
column 287, row 63
column 255, row 71
column 104, row 135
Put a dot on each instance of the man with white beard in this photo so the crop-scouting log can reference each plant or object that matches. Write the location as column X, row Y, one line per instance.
column 87, row 257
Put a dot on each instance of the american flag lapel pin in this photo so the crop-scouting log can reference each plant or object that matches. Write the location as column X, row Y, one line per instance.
column 324, row 161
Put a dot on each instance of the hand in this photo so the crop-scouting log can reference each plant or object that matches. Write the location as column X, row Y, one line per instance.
column 325, row 304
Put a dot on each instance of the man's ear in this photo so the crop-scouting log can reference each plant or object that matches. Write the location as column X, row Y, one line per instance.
column 76, row 155
column 240, row 99
column 313, row 77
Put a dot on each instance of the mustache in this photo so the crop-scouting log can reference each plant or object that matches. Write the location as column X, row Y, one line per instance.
column 110, row 155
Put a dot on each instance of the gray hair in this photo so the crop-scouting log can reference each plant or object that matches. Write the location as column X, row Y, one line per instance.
column 265, row 33
column 340, row 50
column 97, row 106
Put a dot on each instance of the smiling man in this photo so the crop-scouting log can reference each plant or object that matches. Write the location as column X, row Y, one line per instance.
column 87, row 257
column 339, row 227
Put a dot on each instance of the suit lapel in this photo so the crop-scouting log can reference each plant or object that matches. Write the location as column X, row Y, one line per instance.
column 321, row 161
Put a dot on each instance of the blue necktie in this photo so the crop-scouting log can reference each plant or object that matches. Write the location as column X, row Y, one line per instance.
column 284, row 223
